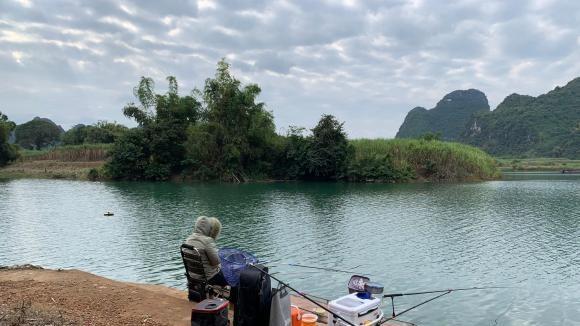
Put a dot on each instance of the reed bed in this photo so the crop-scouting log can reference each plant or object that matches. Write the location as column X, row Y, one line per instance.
column 76, row 153
column 428, row 158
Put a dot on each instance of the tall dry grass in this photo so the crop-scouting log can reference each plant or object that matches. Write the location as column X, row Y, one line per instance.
column 76, row 153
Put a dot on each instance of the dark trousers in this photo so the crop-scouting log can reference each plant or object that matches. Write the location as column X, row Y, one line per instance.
column 218, row 279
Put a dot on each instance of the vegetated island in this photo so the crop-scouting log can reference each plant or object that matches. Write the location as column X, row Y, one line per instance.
column 222, row 133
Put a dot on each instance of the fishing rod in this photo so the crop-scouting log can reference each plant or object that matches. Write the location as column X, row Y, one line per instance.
column 443, row 292
column 325, row 269
column 392, row 295
column 303, row 295
column 413, row 307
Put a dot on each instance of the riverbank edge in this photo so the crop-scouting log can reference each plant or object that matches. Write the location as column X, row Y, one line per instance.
column 74, row 297
column 59, row 170
column 537, row 164
column 50, row 169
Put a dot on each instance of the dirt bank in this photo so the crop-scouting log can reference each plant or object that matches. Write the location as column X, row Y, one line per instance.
column 46, row 169
column 72, row 297
column 31, row 296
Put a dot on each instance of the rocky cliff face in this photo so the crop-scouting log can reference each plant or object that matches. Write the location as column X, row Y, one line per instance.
column 547, row 125
column 449, row 117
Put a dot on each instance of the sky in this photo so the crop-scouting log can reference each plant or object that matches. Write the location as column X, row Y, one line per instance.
column 366, row 62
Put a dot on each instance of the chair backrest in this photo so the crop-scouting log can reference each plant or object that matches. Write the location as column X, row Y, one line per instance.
column 193, row 263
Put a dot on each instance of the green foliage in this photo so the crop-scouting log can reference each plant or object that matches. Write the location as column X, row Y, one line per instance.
column 328, row 151
column 229, row 135
column 8, row 152
column 323, row 155
column 235, row 135
column 156, row 149
column 526, row 126
column 37, row 134
column 403, row 159
column 130, row 156
column 431, row 136
column 93, row 174
column 292, row 161
column 102, row 132
column 448, row 118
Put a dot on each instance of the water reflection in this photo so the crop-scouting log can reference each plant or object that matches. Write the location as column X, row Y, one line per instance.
column 520, row 232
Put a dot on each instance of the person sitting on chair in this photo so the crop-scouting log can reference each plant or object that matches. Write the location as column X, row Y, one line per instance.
column 206, row 231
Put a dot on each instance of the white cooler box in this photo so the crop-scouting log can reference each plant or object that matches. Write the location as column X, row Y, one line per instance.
column 356, row 310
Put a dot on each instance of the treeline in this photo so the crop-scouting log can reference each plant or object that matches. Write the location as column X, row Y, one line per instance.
column 102, row 132
column 221, row 132
column 42, row 133
column 42, row 139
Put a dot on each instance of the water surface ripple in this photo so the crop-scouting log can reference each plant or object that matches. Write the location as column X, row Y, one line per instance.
column 521, row 232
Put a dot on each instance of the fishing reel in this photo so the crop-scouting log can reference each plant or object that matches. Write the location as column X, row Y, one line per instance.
column 362, row 285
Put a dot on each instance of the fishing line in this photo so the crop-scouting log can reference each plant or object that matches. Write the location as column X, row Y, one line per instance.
column 441, row 291
column 328, row 269
column 303, row 295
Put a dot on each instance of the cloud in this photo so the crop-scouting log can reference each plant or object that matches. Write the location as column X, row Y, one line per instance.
column 367, row 62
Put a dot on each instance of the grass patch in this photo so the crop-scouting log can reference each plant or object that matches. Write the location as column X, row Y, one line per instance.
column 416, row 159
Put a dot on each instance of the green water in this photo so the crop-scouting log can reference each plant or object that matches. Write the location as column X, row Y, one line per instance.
column 521, row 232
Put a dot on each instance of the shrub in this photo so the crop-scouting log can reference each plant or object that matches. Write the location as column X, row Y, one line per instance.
column 93, row 174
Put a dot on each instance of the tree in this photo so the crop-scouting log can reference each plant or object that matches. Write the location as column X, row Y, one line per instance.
column 8, row 152
column 328, row 153
column 158, row 141
column 37, row 134
column 235, row 135
column 294, row 161
column 102, row 132
column 130, row 156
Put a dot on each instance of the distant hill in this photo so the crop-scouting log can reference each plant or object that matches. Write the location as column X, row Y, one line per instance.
column 448, row 117
column 38, row 133
column 547, row 125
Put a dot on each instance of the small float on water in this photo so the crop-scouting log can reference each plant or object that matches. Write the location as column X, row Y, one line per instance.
column 109, row 214
column 571, row 171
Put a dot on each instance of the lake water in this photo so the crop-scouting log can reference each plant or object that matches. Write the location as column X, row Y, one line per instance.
column 523, row 232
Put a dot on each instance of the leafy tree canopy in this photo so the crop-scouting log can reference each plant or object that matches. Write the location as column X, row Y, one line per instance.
column 102, row 132
column 157, row 144
column 235, row 134
column 8, row 152
column 328, row 154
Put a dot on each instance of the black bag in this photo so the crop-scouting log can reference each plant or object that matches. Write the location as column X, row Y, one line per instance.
column 252, row 307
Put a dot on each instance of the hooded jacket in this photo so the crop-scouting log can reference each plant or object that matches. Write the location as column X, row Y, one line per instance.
column 206, row 231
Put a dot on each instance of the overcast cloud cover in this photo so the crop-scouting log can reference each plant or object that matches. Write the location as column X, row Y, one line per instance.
column 368, row 63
